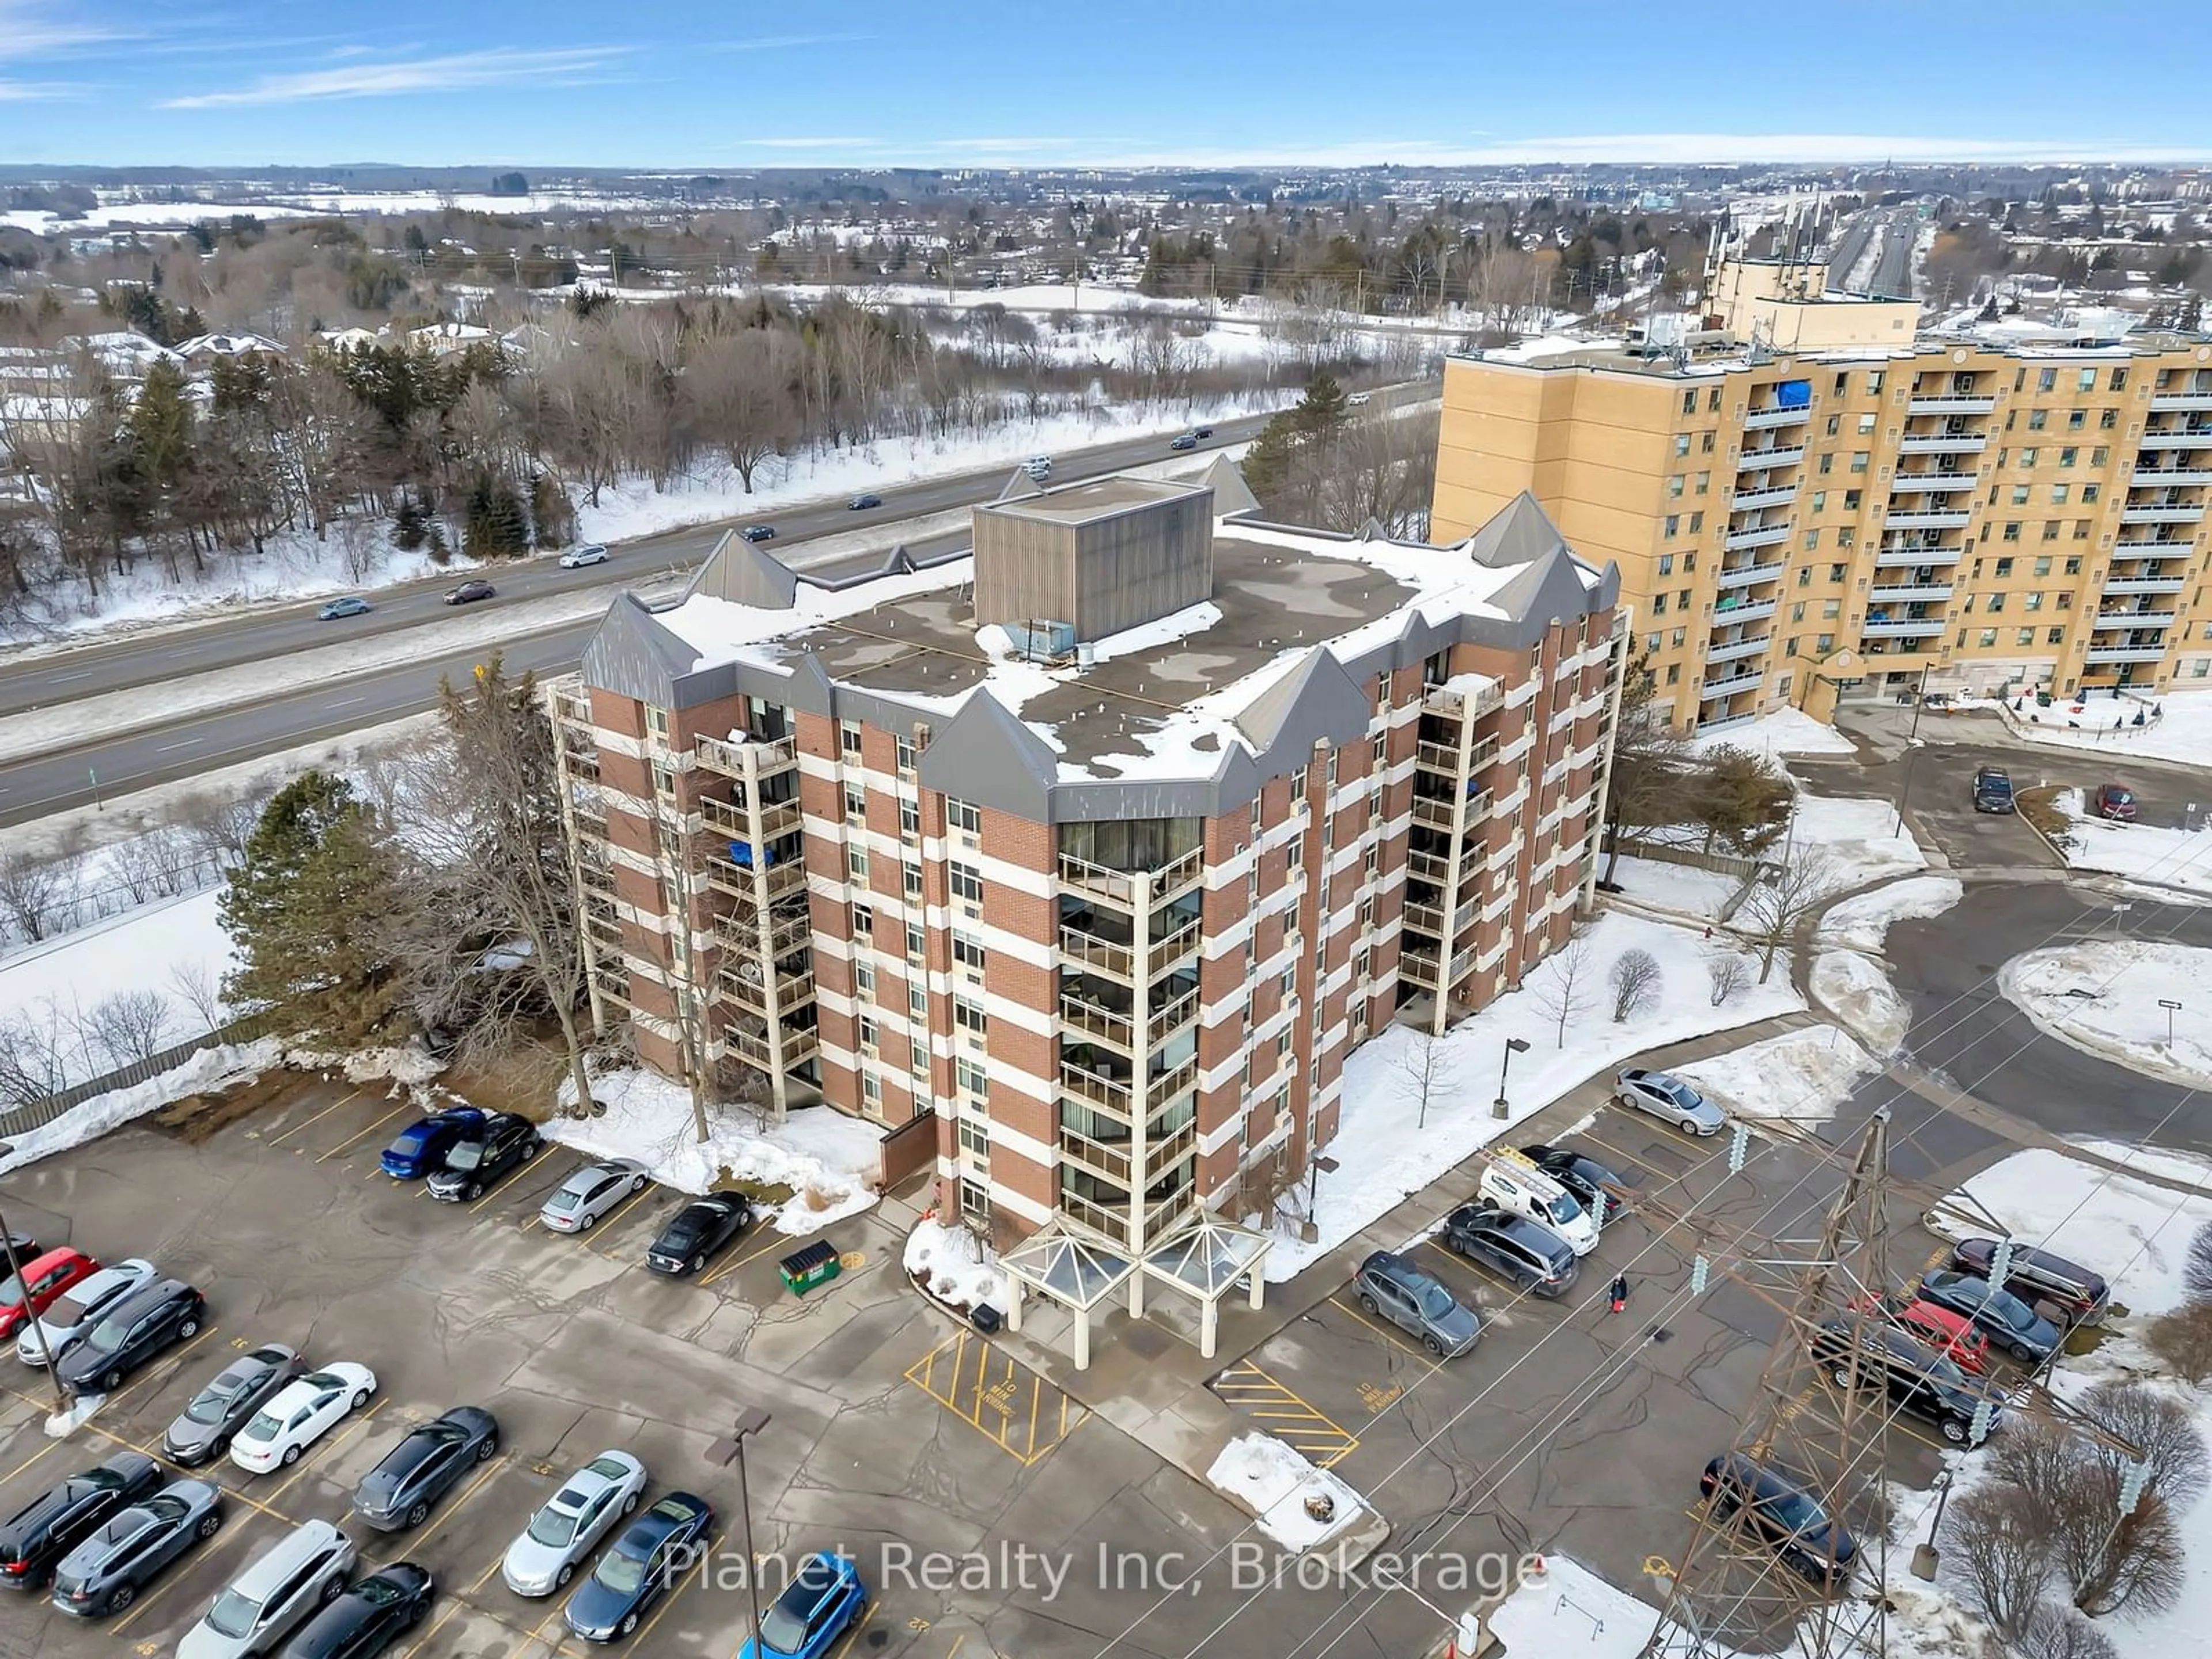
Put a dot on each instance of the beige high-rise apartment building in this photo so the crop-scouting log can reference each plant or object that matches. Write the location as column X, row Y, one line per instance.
column 2019, row 508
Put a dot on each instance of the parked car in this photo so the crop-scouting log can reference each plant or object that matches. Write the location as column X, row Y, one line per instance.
column 372, row 1613
column 1779, row 1508
column 758, row 532
column 308, row 1408
column 825, row 1600
column 398, row 1493
column 129, row 1550
column 2010, row 1323
column 141, row 1327
column 348, row 606
column 646, row 1562
column 1918, row 1381
column 1668, row 1099
column 1597, row 1185
column 47, row 1279
column 2079, row 1294
column 421, row 1147
column 1391, row 1288
column 469, row 591
column 698, row 1232
column 1938, row 1329
column 231, row 1399
column 1993, row 790
column 1534, row 1258
column 570, row 1522
column 2116, row 801
column 582, row 554
column 861, row 503
column 581, row 1201
column 1187, row 440
column 1511, row 1182
column 485, row 1156
column 70, row 1318
column 34, row 1540
column 305, row 1568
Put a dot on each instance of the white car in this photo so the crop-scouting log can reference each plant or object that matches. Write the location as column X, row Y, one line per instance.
column 301, row 1412
column 561, row 1535
column 71, row 1318
column 582, row 554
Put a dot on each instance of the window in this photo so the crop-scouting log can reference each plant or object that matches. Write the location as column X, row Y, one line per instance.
column 1828, row 465
column 1296, row 849
column 1704, row 484
column 1673, row 527
column 1674, row 486
column 910, row 878
column 1690, row 401
column 1836, row 573
column 1866, row 425
column 1989, row 636
column 2090, row 493
column 872, row 1093
column 2027, row 636
column 1824, row 643
column 906, row 757
column 2076, row 419
column 1678, row 637
column 1283, row 1045
column 856, row 804
column 917, row 1004
column 2073, row 566
column 1255, row 814
column 976, row 1139
column 1831, row 609
column 1859, row 459
column 2020, row 495
column 2107, row 419
column 1805, row 576
column 2058, row 494
column 917, row 1057
column 2099, row 455
column 2037, row 418
column 969, row 1016
column 864, row 981
column 1289, row 982
column 2043, row 567
column 1658, row 605
column 1673, row 673
column 1666, row 564
column 867, row 1033
column 1846, row 536
column 917, row 942
column 968, row 951
column 2118, row 382
column 1819, row 500
column 2027, row 457
column 1298, row 784
column 975, row 1200
column 2065, row 600
column 2046, row 379
column 1843, row 386
column 1682, row 443
column 909, row 818
column 1790, row 649
column 2066, row 458
column 2051, row 530
column 856, row 864
column 2054, row 636
column 664, row 781
column 2004, row 567
column 1332, row 768
column 1797, row 611
column 963, row 817
column 1874, row 382
column 1835, row 424
column 1811, row 541
column 2085, row 380
column 967, row 882
column 2035, row 599
column 2011, row 533
column 1996, row 603
column 849, row 739
column 1851, row 501
column 970, row 1077
column 864, row 922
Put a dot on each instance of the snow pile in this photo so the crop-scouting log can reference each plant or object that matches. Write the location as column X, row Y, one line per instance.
column 2182, row 732
column 830, row 1162
column 1859, row 835
column 1854, row 988
column 2175, row 858
column 408, row 1064
column 1863, row 922
column 1269, row 1477
column 1785, row 732
column 1387, row 1149
column 1570, row 1611
column 1682, row 887
column 956, row 1266
column 208, row 1070
column 2102, row 997
column 1799, row 1076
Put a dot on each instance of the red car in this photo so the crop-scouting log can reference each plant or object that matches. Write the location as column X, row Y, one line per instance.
column 2116, row 801
column 48, row 1277
column 1952, row 1336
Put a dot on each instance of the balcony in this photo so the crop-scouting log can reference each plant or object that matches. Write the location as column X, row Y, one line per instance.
column 1943, row 443
column 1121, row 887
column 1431, row 867
column 1728, row 615
column 1912, row 594
column 1418, row 967
column 2099, row 653
column 1445, row 756
column 1765, row 535
column 800, row 1043
column 730, row 818
column 1908, row 484
column 1730, row 687
column 1096, row 944
column 1098, row 1088
column 792, row 991
column 1451, row 702
column 1775, row 455
column 785, row 933
column 1429, row 919
column 1747, row 501
column 1759, row 420
column 573, row 705
column 769, row 758
column 2146, row 477
column 2145, row 584
column 2163, row 514
column 2106, row 619
column 761, row 883
column 2195, row 436
column 1747, row 575
column 1951, row 403
column 2164, row 402
column 595, row 878
column 1886, row 627
column 1433, row 813
column 1948, row 518
column 1891, row 558
column 1735, row 649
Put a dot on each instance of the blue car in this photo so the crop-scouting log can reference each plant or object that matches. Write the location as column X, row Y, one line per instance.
column 348, row 606
column 819, row 1606
column 421, row 1147
column 648, row 1562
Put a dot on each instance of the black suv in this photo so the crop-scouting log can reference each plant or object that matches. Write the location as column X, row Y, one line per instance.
column 483, row 1156
column 1778, row 1506
column 138, row 1329
column 34, row 1540
column 1993, row 790
column 423, row 1468
column 1597, row 1187
column 1918, row 1380
column 1534, row 1257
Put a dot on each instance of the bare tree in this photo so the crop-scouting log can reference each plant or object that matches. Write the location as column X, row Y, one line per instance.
column 1566, row 992
column 1636, row 980
column 218, row 825
column 125, row 1027
column 1996, row 1534
column 201, row 992
column 2161, row 1428
column 2137, row 1560
column 1427, row 1068
column 2197, row 1268
column 2055, row 1631
column 1645, row 778
column 37, row 896
column 1726, row 973
column 1785, row 895
column 35, row 1050
column 159, row 864
column 739, row 389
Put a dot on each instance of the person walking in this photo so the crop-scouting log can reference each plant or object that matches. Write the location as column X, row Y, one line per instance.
column 1621, row 1293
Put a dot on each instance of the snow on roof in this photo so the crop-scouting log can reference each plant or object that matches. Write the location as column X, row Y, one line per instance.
column 350, row 339
column 229, row 345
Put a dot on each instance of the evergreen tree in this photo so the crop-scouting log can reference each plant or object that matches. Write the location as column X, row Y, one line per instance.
column 510, row 522
column 1323, row 409
column 410, row 524
column 2193, row 313
column 305, row 910
column 553, row 520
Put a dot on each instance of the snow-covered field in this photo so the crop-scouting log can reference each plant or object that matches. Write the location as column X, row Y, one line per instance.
column 1800, row 1077
column 829, row 1160
column 2182, row 732
column 2144, row 852
column 1854, row 989
column 1785, row 732
column 2117, row 1016
column 1863, row 922
column 1860, row 836
column 1385, row 1149
column 1683, row 887
column 210, row 1068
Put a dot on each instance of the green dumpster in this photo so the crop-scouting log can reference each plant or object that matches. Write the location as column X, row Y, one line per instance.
column 817, row 1264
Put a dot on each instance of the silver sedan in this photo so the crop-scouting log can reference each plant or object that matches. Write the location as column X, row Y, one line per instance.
column 585, row 1197
column 1669, row 1099
column 561, row 1535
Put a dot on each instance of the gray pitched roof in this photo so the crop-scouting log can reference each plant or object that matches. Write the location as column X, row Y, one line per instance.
column 1520, row 532
column 744, row 573
column 1547, row 591
column 1231, row 494
column 1020, row 487
column 1314, row 699
column 632, row 654
column 987, row 754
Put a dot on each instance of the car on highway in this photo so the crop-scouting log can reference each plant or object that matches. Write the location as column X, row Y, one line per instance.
column 648, row 1562
column 1357, row 400
column 861, row 503
column 582, row 554
column 758, row 532
column 566, row 1525
column 1593, row 1183
column 698, row 1232
column 141, row 1327
column 204, row 1429
column 1668, row 1099
column 1779, row 1508
column 1201, row 431
column 825, row 1600
column 350, row 605
column 1187, row 440
column 2009, row 1322
column 303, row 1569
column 1390, row 1288
column 586, row 1197
column 485, row 1157
column 470, row 592
column 35, row 1539
column 45, row 1279
column 421, row 1147
column 1534, row 1258
column 2116, row 802
column 70, row 1318
column 424, row 1467
column 129, row 1550
column 1993, row 790
column 1916, row 1380
column 306, row 1409
column 372, row 1615
column 2078, row 1294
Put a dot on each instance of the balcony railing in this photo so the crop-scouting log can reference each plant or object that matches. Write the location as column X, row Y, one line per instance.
column 1449, row 703
column 1911, row 593
column 1430, row 918
column 1732, row 650
column 1952, row 404
column 1908, row 484
column 2162, row 403
column 1171, row 1017
column 2188, row 513
column 1431, row 813
column 2146, row 476
column 573, row 705
column 1766, row 535
column 1889, row 558
column 2195, row 435
column 1893, row 627
column 1748, row 574
column 1419, row 967
column 2098, row 653
column 2137, row 618
column 2145, row 584
column 1113, row 1224
column 777, row 820
column 720, row 754
column 1748, row 501
column 1956, row 518
column 800, row 1043
column 1941, row 443
column 757, row 883
column 1431, row 867
column 1121, row 887
column 1759, row 420
column 1093, row 1019
column 1730, row 687
column 1728, row 615
column 1445, row 756
column 792, row 990
column 1096, row 1087
column 1109, row 1159
column 1774, row 455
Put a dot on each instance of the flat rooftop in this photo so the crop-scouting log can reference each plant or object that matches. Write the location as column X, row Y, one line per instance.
column 1097, row 498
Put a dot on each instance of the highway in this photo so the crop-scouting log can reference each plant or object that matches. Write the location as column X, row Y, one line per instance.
column 1891, row 278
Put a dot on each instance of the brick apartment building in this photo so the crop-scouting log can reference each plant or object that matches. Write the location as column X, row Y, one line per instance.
column 1080, row 861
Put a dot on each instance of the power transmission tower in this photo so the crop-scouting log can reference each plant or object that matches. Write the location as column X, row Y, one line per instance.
column 1732, row 1591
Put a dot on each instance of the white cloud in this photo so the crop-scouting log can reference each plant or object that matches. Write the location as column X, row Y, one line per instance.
column 27, row 32
column 810, row 144
column 782, row 42
column 500, row 66
column 34, row 92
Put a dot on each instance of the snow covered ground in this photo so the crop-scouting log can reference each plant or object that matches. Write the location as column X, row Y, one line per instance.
column 2145, row 851
column 1860, row 836
column 1386, row 1152
column 1854, row 989
column 1800, row 1077
column 2182, row 731
column 2117, row 1015
column 1683, row 887
column 1272, row 1478
column 829, row 1160
column 1785, row 732
column 210, row 1068
column 1573, row 1614
column 1863, row 922
column 958, row 1268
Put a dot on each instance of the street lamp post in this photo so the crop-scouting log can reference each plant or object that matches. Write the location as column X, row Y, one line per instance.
column 750, row 1421
column 38, row 1331
column 1926, row 1558
column 1501, row 1107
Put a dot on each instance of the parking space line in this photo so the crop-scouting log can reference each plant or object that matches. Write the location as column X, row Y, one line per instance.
column 491, row 1468
column 660, row 1613
column 341, row 1148
column 731, row 1266
column 1288, row 1415
column 169, row 1582
column 1375, row 1323
column 853, row 1634
column 1648, row 1167
column 606, row 1224
column 1458, row 1263
column 310, row 1122
column 968, row 1392
column 453, row 1605
column 51, row 1445
column 354, row 1427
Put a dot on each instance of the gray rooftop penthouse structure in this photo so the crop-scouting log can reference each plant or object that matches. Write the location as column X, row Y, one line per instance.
column 1100, row 556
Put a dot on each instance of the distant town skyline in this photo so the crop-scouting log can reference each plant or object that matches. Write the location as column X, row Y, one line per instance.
column 872, row 83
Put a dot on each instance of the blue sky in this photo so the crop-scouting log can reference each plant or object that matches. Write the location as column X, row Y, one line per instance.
column 987, row 83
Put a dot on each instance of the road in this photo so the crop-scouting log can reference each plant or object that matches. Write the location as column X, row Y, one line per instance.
column 1897, row 229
